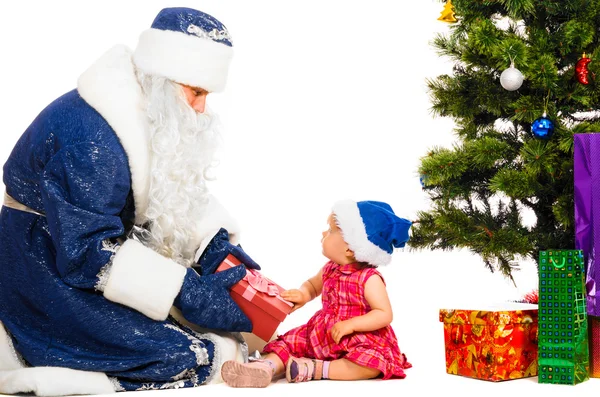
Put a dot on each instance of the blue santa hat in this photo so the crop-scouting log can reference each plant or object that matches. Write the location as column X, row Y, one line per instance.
column 186, row 46
column 371, row 229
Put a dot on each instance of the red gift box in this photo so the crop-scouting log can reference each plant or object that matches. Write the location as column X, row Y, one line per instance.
column 495, row 344
column 258, row 297
column 594, row 338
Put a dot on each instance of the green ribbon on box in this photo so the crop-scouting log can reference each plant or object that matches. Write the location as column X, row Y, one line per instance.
column 563, row 338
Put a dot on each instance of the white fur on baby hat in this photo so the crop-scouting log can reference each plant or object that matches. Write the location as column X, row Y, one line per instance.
column 371, row 229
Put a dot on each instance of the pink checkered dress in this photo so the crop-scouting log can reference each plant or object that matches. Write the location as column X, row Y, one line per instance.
column 343, row 298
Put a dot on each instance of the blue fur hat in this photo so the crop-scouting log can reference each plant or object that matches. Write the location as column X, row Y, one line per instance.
column 186, row 46
column 371, row 230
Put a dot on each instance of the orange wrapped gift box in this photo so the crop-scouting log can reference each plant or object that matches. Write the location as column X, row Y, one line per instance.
column 495, row 344
column 258, row 297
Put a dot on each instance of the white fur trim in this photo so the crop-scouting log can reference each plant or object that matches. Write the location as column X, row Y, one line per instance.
column 203, row 244
column 226, row 346
column 353, row 229
column 215, row 217
column 111, row 87
column 54, row 381
column 230, row 350
column 144, row 280
column 45, row 381
column 183, row 58
column 8, row 355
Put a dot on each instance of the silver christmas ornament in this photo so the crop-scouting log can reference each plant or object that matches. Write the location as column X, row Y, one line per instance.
column 511, row 79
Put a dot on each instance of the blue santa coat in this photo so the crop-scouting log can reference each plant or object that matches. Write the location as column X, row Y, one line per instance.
column 71, row 166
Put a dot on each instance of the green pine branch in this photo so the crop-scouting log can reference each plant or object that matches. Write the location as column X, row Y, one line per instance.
column 497, row 169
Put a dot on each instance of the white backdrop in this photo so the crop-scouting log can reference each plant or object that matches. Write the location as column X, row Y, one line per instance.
column 325, row 101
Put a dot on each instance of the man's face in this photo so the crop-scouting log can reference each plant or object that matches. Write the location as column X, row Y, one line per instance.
column 196, row 97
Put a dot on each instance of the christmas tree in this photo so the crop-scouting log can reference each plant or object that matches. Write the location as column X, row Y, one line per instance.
column 499, row 169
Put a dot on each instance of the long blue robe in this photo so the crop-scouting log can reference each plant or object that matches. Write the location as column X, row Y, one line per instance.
column 71, row 166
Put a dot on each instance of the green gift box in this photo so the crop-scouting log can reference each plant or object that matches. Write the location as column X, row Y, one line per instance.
column 563, row 338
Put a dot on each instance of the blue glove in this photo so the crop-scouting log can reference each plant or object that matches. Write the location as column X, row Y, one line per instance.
column 218, row 249
column 205, row 300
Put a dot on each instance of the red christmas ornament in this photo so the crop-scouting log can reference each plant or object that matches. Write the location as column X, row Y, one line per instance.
column 531, row 297
column 581, row 69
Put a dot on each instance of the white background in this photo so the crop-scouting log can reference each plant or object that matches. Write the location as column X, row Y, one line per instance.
column 326, row 100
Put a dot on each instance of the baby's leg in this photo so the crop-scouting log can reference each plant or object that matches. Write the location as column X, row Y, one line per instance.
column 301, row 369
column 343, row 369
column 278, row 366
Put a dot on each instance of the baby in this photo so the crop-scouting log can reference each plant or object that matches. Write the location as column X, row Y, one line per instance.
column 350, row 338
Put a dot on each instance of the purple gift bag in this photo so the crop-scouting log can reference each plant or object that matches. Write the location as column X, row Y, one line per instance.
column 586, row 158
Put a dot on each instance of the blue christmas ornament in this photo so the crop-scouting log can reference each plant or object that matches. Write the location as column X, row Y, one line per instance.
column 422, row 179
column 543, row 127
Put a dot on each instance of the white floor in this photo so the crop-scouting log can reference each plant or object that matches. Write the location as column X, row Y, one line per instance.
column 428, row 375
column 418, row 291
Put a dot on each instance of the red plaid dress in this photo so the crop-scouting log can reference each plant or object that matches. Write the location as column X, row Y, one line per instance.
column 343, row 298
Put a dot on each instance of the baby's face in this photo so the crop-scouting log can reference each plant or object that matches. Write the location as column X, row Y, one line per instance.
column 334, row 246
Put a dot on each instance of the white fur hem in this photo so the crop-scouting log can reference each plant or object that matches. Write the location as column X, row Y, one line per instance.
column 353, row 229
column 110, row 86
column 45, row 381
column 9, row 358
column 54, row 381
column 227, row 346
column 215, row 217
column 183, row 58
column 228, row 349
column 144, row 280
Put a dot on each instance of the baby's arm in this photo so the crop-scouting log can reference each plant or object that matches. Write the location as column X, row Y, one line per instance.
column 309, row 290
column 379, row 316
column 381, row 309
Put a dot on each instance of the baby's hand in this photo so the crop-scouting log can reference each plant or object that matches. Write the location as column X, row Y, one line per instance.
column 297, row 297
column 341, row 329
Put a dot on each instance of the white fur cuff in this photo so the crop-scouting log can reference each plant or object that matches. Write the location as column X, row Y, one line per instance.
column 215, row 217
column 144, row 280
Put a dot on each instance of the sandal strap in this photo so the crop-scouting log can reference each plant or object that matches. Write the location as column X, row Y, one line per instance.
column 304, row 374
column 266, row 363
column 306, row 369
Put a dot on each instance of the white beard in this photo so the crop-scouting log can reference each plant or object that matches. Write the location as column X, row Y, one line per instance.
column 183, row 146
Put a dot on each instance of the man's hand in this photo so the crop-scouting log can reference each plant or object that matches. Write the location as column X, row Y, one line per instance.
column 297, row 297
column 206, row 300
column 341, row 329
column 218, row 249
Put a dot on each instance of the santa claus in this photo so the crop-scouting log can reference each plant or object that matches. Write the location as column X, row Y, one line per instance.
column 107, row 225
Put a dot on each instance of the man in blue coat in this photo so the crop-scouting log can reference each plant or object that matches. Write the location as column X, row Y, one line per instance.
column 107, row 226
